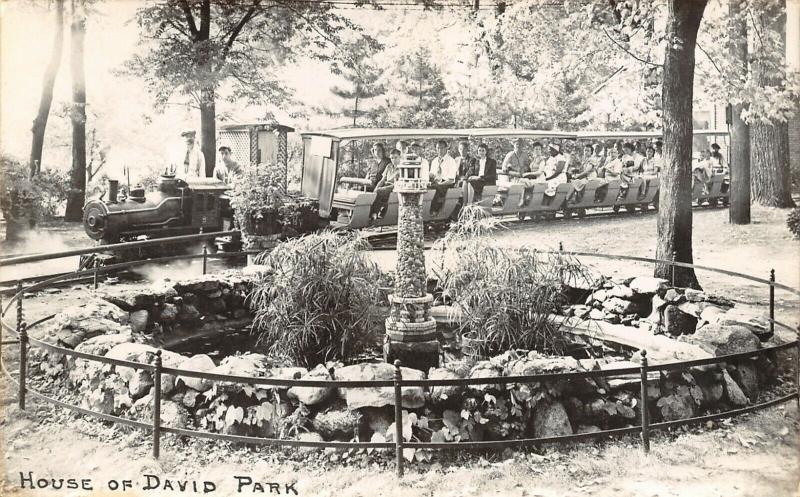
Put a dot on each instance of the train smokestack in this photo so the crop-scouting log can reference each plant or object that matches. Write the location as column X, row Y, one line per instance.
column 113, row 189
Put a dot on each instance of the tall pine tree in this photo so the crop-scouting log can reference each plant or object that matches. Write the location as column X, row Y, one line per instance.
column 421, row 99
column 363, row 84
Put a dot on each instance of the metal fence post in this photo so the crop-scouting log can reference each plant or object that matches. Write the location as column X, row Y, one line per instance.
column 96, row 280
column 205, row 258
column 797, row 372
column 23, row 363
column 674, row 258
column 772, row 301
column 398, row 417
column 19, row 305
column 560, row 246
column 643, row 405
column 157, row 406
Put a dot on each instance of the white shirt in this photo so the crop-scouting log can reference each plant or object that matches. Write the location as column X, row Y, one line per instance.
column 444, row 169
column 196, row 167
column 482, row 167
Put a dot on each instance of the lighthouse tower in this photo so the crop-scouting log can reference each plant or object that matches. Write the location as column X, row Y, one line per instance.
column 411, row 333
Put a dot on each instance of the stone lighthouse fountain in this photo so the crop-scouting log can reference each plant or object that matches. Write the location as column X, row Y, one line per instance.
column 411, row 333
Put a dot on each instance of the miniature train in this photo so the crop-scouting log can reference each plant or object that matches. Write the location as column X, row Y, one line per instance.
column 176, row 207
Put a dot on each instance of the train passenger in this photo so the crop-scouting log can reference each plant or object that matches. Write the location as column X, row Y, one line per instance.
column 719, row 166
column 443, row 172
column 485, row 172
column 401, row 146
column 537, row 158
column 227, row 169
column 701, row 170
column 515, row 164
column 467, row 165
column 376, row 168
column 659, row 149
column 194, row 162
column 586, row 170
column 385, row 186
column 555, row 170
column 652, row 164
column 416, row 149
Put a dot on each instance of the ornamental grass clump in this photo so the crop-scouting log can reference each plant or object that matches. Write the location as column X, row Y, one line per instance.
column 314, row 301
column 509, row 298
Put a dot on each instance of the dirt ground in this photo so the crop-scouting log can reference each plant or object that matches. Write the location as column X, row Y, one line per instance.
column 753, row 455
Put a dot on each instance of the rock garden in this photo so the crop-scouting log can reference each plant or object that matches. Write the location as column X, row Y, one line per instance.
column 314, row 308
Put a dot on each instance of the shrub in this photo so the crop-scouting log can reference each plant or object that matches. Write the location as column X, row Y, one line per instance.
column 256, row 197
column 793, row 222
column 25, row 199
column 314, row 301
column 509, row 298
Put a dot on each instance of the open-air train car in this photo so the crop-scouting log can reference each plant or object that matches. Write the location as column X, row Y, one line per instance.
column 349, row 205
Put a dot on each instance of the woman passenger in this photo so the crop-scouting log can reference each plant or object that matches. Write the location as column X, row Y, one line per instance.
column 385, row 186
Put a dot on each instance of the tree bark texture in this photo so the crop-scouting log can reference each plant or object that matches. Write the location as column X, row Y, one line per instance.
column 770, row 178
column 208, row 130
column 739, row 166
column 46, row 99
column 77, row 194
column 675, row 197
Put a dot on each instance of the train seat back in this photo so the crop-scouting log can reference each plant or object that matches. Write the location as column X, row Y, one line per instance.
column 353, row 208
column 512, row 200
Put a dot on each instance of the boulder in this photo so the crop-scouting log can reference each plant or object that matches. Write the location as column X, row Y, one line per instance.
column 722, row 339
column 588, row 429
column 678, row 405
column 309, row 436
column 645, row 285
column 617, row 305
column 288, row 373
column 673, row 297
column 599, row 296
column 621, row 291
column 101, row 344
column 248, row 364
column 100, row 400
column 677, row 322
column 733, row 391
column 711, row 386
column 597, row 314
column 312, row 395
column 746, row 376
column 206, row 283
column 693, row 295
column 202, row 364
column 138, row 320
column 710, row 314
column 169, row 313
column 535, row 363
column 485, row 369
column 336, row 423
column 139, row 383
column 188, row 313
column 130, row 299
column 690, row 308
column 447, row 392
column 412, row 397
column 551, row 420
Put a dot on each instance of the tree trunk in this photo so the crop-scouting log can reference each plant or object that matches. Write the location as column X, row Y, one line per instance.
column 770, row 180
column 77, row 192
column 675, row 196
column 46, row 99
column 739, row 166
column 208, row 130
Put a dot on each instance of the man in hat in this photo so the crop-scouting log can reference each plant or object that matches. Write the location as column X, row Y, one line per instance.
column 228, row 168
column 718, row 161
column 194, row 162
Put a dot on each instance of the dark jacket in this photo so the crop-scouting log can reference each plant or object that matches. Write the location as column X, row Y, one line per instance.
column 375, row 172
column 466, row 167
column 489, row 171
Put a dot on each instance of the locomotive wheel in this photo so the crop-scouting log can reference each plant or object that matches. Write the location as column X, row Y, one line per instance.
column 568, row 213
column 712, row 202
column 631, row 208
column 644, row 207
column 725, row 201
column 615, row 209
column 581, row 212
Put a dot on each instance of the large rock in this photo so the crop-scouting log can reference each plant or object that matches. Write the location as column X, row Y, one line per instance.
column 412, row 397
column 485, row 369
column 722, row 339
column 551, row 420
column 673, row 296
column 746, row 376
column 342, row 423
column 130, row 299
column 101, row 344
column 94, row 308
column 619, row 306
column 200, row 363
column 734, row 391
column 678, row 405
column 188, row 313
column 677, row 322
column 377, row 419
column 621, row 291
column 312, row 395
column 446, row 392
column 139, row 383
column 645, row 285
column 168, row 314
column 535, row 363
column 139, row 320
